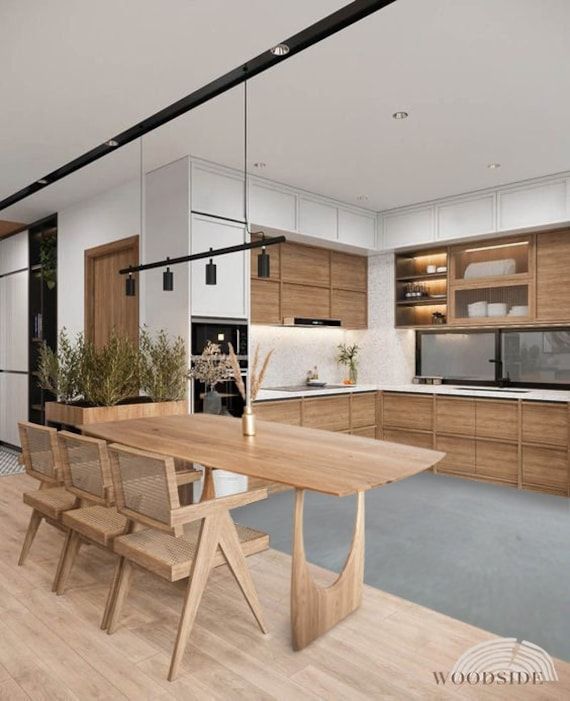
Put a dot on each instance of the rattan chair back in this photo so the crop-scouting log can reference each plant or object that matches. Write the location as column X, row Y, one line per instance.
column 40, row 452
column 86, row 468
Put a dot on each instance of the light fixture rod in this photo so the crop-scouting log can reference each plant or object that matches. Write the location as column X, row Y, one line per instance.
column 205, row 254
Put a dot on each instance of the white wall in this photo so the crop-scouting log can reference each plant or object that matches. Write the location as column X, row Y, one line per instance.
column 112, row 215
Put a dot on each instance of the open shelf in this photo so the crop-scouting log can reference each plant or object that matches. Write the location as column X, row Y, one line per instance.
column 416, row 271
column 424, row 276
column 432, row 301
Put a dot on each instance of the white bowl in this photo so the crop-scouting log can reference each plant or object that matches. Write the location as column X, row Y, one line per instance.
column 497, row 309
column 477, row 309
column 519, row 310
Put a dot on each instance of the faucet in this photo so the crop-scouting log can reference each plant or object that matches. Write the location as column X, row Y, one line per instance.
column 502, row 381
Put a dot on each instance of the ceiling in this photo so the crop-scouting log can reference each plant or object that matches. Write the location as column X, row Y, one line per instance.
column 482, row 82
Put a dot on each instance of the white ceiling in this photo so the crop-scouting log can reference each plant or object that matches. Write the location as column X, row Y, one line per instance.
column 483, row 82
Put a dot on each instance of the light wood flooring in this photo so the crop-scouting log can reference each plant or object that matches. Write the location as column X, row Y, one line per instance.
column 52, row 648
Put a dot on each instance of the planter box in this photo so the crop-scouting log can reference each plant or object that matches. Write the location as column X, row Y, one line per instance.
column 73, row 415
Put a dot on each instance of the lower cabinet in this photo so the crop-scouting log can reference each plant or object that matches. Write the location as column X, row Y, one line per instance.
column 418, row 439
column 369, row 432
column 328, row 413
column 460, row 454
column 497, row 461
column 545, row 468
column 285, row 412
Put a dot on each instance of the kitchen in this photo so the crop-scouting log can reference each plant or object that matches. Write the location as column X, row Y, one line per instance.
column 397, row 300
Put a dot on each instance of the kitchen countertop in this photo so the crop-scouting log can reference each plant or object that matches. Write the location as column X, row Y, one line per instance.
column 534, row 395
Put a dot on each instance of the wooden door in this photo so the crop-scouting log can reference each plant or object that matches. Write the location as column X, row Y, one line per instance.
column 107, row 307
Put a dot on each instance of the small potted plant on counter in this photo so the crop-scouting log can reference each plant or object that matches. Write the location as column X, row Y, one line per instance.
column 347, row 356
column 96, row 384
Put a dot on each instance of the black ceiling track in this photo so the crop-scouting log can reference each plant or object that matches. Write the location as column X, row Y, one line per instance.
column 326, row 27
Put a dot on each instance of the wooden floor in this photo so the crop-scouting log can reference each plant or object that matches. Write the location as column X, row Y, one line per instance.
column 52, row 648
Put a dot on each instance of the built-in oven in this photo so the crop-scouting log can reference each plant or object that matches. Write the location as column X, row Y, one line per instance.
column 223, row 332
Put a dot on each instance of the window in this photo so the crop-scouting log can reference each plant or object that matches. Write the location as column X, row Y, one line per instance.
column 537, row 356
column 457, row 356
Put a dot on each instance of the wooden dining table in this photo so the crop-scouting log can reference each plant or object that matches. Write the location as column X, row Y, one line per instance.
column 337, row 464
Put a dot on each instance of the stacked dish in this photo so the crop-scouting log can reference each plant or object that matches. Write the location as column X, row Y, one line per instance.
column 519, row 310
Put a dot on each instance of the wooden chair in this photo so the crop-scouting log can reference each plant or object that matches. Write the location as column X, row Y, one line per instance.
column 179, row 542
column 87, row 475
column 41, row 458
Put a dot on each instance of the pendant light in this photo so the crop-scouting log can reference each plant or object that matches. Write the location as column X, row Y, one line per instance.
column 130, row 286
column 263, row 263
column 168, row 279
column 211, row 272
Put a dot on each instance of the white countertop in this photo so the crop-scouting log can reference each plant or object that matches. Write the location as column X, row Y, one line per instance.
column 535, row 395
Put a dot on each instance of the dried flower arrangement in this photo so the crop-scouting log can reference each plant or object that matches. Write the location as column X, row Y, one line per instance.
column 212, row 366
column 256, row 376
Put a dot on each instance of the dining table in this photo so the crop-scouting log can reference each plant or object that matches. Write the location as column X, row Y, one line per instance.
column 306, row 459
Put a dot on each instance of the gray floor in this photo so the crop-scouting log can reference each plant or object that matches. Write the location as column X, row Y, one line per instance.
column 492, row 556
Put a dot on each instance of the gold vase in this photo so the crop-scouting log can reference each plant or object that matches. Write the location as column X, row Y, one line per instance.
column 248, row 422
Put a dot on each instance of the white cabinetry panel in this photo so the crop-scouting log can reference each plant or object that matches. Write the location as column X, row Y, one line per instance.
column 228, row 298
column 466, row 217
column 408, row 228
column 217, row 193
column 356, row 229
column 273, row 207
column 530, row 205
column 13, row 405
column 14, row 253
column 318, row 219
column 14, row 322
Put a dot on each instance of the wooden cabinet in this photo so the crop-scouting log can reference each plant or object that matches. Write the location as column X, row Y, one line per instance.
column 546, row 468
column 413, row 411
column 287, row 411
column 552, row 276
column 363, row 410
column 309, row 281
column 455, row 416
column 369, row 432
column 498, row 420
column 460, row 454
column 545, row 423
column 497, row 461
column 418, row 439
column 328, row 413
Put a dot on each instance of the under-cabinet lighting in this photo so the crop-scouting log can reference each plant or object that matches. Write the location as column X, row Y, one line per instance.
column 499, row 245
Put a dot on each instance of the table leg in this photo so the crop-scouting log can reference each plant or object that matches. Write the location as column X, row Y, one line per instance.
column 315, row 609
column 208, row 487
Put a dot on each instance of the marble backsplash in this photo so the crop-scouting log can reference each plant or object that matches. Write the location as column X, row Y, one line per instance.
column 386, row 354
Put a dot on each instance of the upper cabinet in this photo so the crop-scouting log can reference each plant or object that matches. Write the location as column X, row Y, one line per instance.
column 357, row 228
column 273, row 206
column 318, row 218
column 553, row 276
column 217, row 191
column 534, row 204
column 14, row 253
column 408, row 228
column 466, row 217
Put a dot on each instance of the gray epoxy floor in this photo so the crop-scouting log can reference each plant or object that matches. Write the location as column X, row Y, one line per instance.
column 492, row 556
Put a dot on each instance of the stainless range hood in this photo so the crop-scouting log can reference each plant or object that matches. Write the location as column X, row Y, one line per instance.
column 309, row 321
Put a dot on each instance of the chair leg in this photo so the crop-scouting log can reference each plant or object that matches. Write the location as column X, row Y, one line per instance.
column 35, row 520
column 68, row 562
column 231, row 548
column 205, row 552
column 62, row 556
column 112, row 593
column 120, row 595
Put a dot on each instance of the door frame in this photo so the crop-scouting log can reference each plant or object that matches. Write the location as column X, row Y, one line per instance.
column 90, row 255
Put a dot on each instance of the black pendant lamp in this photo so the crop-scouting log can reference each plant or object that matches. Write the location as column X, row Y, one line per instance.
column 263, row 264
column 211, row 272
column 130, row 286
column 168, row 279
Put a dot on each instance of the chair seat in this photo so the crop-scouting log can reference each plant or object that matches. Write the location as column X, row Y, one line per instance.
column 51, row 502
column 171, row 557
column 100, row 524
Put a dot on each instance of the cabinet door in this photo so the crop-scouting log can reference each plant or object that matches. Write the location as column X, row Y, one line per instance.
column 408, row 411
column 460, row 454
column 545, row 423
column 14, row 322
column 475, row 215
column 228, row 298
column 497, row 420
column 496, row 460
column 408, row 228
column 351, row 308
column 318, row 219
column 13, row 405
column 273, row 207
column 305, row 265
column 369, row 432
column 455, row 416
column 545, row 467
column 215, row 192
column 305, row 300
column 552, row 276
column 329, row 413
column 265, row 302
column 363, row 410
column 14, row 253
column 532, row 204
column 415, row 438
column 357, row 229
column 349, row 272
column 287, row 411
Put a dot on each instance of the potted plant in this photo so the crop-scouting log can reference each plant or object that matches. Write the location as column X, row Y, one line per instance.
column 210, row 368
column 347, row 356
column 96, row 384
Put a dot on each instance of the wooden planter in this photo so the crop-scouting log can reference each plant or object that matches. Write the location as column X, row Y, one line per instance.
column 72, row 415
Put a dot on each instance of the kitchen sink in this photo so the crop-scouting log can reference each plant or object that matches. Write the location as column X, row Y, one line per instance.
column 493, row 389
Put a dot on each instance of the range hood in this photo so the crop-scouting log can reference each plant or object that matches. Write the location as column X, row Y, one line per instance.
column 309, row 321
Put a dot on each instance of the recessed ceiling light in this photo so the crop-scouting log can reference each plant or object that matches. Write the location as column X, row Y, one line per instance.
column 362, row 198
column 111, row 143
column 400, row 115
column 259, row 164
column 280, row 50
column 493, row 166
column 42, row 181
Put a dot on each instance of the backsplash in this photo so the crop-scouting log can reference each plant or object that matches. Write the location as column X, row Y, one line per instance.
column 386, row 355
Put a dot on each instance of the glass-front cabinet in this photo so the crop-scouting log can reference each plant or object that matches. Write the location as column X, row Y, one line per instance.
column 491, row 283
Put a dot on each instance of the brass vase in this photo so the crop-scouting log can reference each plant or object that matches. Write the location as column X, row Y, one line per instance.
column 248, row 422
